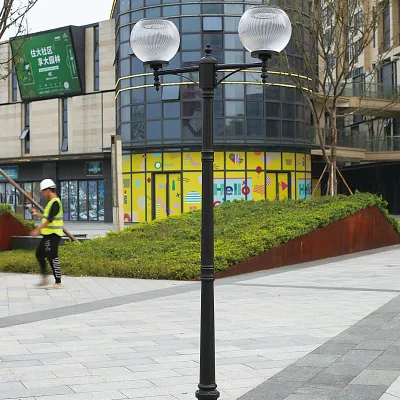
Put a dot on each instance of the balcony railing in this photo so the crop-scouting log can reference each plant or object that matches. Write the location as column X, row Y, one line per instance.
column 361, row 141
column 383, row 143
column 372, row 91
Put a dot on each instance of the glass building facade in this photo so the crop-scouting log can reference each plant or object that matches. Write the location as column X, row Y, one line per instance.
column 249, row 118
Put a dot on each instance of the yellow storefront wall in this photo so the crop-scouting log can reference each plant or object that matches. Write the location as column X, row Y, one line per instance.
column 159, row 184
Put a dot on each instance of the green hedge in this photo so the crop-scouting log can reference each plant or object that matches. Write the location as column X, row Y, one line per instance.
column 170, row 248
column 6, row 209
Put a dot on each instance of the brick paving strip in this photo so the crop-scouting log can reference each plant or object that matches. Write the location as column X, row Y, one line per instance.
column 361, row 363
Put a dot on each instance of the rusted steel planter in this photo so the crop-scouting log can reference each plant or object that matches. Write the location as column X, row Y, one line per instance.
column 365, row 230
column 10, row 227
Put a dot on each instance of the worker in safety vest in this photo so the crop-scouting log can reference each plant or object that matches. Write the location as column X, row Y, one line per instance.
column 51, row 228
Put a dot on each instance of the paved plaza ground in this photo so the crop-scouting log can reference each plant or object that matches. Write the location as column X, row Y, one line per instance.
column 318, row 331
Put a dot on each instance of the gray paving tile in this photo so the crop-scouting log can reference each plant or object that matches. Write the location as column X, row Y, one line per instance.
column 272, row 390
column 360, row 356
column 361, row 392
column 296, row 373
column 375, row 377
column 330, row 381
column 334, row 348
column 374, row 344
column 317, row 360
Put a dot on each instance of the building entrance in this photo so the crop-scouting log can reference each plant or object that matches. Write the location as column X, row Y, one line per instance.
column 166, row 194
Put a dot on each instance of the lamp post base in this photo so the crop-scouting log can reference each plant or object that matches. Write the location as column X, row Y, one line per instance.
column 207, row 393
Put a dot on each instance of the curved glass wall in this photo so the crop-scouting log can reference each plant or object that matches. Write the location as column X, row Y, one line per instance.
column 246, row 112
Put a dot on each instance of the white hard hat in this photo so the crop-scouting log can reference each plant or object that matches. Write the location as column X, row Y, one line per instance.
column 47, row 184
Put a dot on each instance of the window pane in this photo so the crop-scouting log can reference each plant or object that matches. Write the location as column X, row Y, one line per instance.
column 288, row 111
column 272, row 128
column 124, row 19
column 73, row 200
column 213, row 8
column 212, row 23
column 273, row 110
column 191, row 57
column 191, row 24
column 231, row 24
column 153, row 12
column 254, row 109
column 232, row 57
column 255, row 128
column 124, row 6
column 125, row 98
column 64, row 146
column 124, row 68
column 214, row 39
column 152, row 2
column 254, row 92
column 153, row 111
column 289, row 95
column 172, row 129
column 125, row 51
column 136, row 66
column 191, row 109
column 300, row 112
column 219, row 127
column 273, row 92
column 218, row 109
column 288, row 129
column 153, row 130
column 191, row 42
column 191, row 9
column 137, row 15
column 124, row 34
column 233, row 9
column 125, row 114
column 126, row 133
column 234, row 108
column 170, row 93
column 169, row 11
column 93, row 201
column 137, row 95
column 172, row 110
column 191, row 128
column 234, row 127
column 232, row 41
column 234, row 92
column 138, row 112
column 152, row 94
column 138, row 129
column 83, row 206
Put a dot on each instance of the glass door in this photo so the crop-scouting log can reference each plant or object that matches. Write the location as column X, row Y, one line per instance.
column 166, row 195
column 160, row 196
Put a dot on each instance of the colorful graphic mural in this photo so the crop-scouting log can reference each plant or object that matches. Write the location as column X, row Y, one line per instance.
column 156, row 185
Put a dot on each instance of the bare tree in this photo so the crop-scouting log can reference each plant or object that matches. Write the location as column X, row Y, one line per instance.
column 13, row 16
column 13, row 21
column 330, row 40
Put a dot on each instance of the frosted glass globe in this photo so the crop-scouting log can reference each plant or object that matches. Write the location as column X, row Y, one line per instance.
column 155, row 40
column 265, row 29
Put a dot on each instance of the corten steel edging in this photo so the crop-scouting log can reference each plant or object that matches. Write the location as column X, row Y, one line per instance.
column 365, row 230
column 10, row 227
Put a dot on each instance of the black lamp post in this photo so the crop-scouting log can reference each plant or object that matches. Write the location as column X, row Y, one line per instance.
column 264, row 31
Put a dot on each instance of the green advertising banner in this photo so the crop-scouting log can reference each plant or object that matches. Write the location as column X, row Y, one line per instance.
column 46, row 65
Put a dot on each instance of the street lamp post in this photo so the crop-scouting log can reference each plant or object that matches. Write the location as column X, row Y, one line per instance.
column 264, row 31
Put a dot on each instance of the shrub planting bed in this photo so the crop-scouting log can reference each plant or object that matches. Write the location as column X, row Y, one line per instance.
column 170, row 248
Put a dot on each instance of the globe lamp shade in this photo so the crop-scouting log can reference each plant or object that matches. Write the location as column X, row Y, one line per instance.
column 264, row 30
column 155, row 41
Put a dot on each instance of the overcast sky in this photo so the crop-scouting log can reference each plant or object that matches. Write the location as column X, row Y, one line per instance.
column 49, row 14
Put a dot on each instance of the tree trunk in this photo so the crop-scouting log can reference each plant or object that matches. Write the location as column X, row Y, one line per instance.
column 332, row 169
